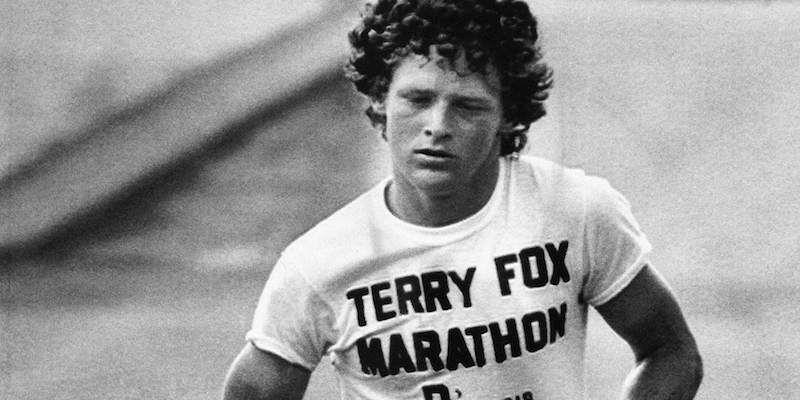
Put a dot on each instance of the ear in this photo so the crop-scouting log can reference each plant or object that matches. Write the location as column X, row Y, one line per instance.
column 505, row 127
column 379, row 106
column 378, row 110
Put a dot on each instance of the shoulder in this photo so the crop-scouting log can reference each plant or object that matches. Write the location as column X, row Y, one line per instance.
column 560, row 187
column 347, row 224
column 338, row 240
column 549, row 176
column 569, row 195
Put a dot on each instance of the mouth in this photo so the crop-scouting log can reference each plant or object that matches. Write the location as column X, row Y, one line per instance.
column 434, row 153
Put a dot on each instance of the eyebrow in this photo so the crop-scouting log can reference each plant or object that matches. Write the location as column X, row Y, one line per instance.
column 414, row 91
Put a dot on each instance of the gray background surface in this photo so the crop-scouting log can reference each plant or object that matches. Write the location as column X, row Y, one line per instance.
column 688, row 108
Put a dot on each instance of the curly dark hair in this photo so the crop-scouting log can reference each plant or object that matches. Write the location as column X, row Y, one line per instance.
column 501, row 33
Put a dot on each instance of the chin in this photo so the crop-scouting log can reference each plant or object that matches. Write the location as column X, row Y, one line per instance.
column 435, row 181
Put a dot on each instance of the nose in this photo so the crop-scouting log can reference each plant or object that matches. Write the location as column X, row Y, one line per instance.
column 440, row 121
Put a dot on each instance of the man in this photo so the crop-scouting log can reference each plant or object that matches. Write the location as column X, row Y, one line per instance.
column 467, row 273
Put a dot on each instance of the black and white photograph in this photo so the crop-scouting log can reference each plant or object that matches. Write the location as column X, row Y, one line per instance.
column 400, row 199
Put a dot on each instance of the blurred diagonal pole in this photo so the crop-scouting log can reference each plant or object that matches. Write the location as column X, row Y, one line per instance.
column 72, row 179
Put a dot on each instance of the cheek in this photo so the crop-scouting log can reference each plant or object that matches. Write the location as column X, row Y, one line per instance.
column 482, row 131
column 399, row 123
column 399, row 132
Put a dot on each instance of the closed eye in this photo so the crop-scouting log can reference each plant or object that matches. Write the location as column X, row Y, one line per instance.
column 473, row 105
column 417, row 98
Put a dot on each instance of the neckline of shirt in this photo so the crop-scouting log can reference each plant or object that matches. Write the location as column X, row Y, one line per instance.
column 439, row 235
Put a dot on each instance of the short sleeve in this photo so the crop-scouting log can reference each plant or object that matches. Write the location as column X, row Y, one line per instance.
column 291, row 320
column 616, row 248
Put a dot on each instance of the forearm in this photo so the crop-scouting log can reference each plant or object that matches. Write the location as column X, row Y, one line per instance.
column 670, row 373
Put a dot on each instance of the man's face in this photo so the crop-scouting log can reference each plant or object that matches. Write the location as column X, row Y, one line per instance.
column 441, row 125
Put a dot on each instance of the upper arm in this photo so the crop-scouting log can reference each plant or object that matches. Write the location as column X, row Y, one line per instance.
column 647, row 316
column 256, row 374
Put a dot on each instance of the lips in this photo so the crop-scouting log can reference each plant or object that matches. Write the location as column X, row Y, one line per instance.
column 435, row 153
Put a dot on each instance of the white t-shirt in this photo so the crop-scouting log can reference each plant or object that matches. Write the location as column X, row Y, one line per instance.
column 491, row 307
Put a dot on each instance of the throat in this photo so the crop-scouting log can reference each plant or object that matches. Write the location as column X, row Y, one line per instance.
column 438, row 209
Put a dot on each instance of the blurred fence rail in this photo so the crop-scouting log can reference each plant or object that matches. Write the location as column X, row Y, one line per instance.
column 78, row 174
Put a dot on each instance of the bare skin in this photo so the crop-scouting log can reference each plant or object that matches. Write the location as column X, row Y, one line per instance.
column 441, row 130
column 258, row 375
column 647, row 316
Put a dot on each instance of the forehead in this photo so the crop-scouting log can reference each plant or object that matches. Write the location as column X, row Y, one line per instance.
column 437, row 73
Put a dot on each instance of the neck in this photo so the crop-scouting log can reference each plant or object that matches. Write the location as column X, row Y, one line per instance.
column 442, row 207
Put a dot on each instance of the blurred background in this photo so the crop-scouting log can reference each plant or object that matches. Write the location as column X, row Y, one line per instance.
column 155, row 157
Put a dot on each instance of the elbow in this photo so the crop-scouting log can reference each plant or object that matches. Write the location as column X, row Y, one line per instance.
column 680, row 363
column 690, row 365
column 691, row 362
column 695, row 366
